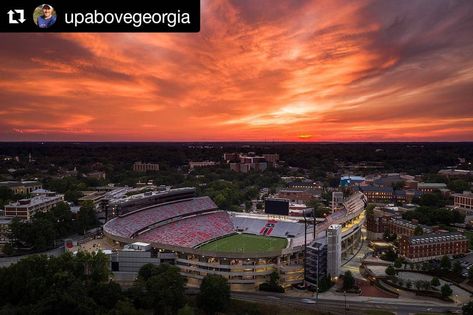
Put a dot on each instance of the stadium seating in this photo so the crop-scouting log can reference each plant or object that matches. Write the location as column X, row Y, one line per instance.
column 267, row 227
column 128, row 225
column 191, row 231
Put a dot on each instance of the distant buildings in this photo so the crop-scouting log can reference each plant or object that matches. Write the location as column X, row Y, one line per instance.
column 349, row 180
column 145, row 167
column 402, row 227
column 378, row 194
column 463, row 201
column 455, row 173
column 296, row 196
column 22, row 187
column 96, row 175
column 380, row 222
column 306, row 184
column 92, row 196
column 432, row 246
column 26, row 208
column 464, row 204
column 375, row 224
column 193, row 165
column 250, row 162
column 430, row 187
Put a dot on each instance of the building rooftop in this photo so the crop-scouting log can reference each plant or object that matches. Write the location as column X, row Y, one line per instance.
column 434, row 238
column 24, row 203
column 432, row 185
column 19, row 183
column 377, row 189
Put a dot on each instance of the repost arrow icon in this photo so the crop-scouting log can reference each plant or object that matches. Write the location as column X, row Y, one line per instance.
column 22, row 15
column 11, row 20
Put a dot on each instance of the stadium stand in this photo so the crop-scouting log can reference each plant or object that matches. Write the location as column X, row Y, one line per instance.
column 191, row 231
column 129, row 225
column 267, row 227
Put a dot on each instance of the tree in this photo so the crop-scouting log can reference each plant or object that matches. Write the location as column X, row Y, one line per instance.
column 62, row 216
column 426, row 266
column 147, row 271
column 348, row 281
column 124, row 307
column 458, row 185
column 166, row 289
column 457, row 267
column 418, row 284
column 390, row 271
column 398, row 263
column 186, row 310
column 86, row 217
column 446, row 291
column 106, row 294
column 445, row 263
column 426, row 285
column 468, row 308
column 8, row 249
column 370, row 210
column 214, row 294
column 470, row 274
column 56, row 285
column 273, row 284
column 435, row 282
column 418, row 230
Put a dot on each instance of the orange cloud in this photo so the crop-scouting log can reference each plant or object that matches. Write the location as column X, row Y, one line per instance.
column 344, row 71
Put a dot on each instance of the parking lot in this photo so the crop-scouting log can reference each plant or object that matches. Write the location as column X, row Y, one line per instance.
column 466, row 262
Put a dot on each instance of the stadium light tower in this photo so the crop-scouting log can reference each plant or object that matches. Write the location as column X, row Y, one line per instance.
column 305, row 248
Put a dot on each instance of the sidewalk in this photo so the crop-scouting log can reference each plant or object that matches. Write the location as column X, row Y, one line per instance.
column 334, row 296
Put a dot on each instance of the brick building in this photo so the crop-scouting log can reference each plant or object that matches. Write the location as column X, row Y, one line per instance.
column 378, row 194
column 402, row 227
column 145, row 167
column 432, row 246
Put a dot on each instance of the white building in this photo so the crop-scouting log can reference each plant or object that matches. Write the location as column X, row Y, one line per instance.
column 464, row 200
column 26, row 208
column 334, row 249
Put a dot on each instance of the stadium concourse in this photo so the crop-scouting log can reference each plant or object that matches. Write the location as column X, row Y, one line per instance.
column 203, row 239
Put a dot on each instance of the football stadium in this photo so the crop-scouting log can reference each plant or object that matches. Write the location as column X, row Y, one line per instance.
column 192, row 233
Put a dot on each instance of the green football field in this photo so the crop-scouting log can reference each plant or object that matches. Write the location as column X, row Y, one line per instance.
column 246, row 243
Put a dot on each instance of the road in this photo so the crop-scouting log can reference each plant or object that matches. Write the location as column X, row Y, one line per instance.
column 354, row 306
column 7, row 261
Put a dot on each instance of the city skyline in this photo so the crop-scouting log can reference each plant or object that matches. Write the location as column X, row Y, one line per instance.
column 333, row 71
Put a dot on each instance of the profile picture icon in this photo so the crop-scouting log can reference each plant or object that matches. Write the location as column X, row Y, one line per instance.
column 44, row 16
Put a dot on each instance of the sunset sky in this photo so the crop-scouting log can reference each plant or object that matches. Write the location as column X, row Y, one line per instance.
column 258, row 70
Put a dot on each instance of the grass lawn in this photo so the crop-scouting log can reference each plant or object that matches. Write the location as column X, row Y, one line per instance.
column 246, row 243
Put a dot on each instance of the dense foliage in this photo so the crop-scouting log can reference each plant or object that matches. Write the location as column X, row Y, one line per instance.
column 44, row 229
column 214, row 294
column 273, row 284
column 59, row 285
